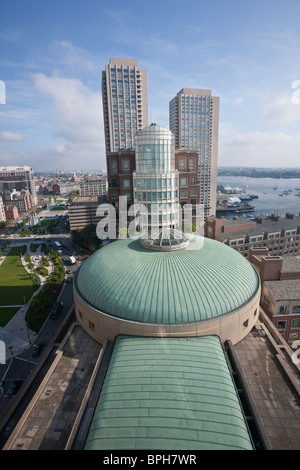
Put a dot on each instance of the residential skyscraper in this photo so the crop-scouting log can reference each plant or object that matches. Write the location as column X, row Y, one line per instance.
column 194, row 120
column 125, row 103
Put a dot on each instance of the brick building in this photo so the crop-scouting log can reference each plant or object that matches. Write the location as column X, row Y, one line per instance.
column 121, row 165
column 281, row 236
column 280, row 299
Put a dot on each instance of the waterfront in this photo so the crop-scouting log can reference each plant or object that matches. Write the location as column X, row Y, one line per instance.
column 268, row 201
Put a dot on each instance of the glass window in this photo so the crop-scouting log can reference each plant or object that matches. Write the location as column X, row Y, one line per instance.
column 282, row 309
column 281, row 325
column 183, row 181
column 126, row 183
column 296, row 323
column 113, row 166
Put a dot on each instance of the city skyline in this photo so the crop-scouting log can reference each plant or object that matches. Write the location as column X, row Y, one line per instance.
column 53, row 56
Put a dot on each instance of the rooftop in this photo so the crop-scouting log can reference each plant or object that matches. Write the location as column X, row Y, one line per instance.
column 284, row 289
column 168, row 393
column 50, row 419
column 204, row 280
column 270, row 226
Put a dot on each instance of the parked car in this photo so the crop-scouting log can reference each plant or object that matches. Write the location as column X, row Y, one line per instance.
column 55, row 311
column 37, row 350
column 14, row 388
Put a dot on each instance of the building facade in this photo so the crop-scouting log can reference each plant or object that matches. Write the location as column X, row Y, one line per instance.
column 93, row 187
column 194, row 120
column 281, row 236
column 83, row 211
column 280, row 299
column 125, row 103
column 17, row 178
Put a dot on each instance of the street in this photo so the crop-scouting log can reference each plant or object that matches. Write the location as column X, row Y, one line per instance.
column 18, row 367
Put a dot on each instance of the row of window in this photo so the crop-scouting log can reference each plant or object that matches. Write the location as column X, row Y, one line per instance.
column 281, row 324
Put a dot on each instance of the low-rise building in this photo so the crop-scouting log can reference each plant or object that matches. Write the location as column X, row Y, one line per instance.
column 11, row 212
column 281, row 236
column 280, row 299
column 93, row 187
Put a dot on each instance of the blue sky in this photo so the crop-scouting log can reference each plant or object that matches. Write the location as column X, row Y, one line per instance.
column 53, row 53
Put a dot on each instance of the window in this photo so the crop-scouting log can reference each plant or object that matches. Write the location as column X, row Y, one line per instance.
column 281, row 325
column 295, row 323
column 191, row 164
column 113, row 166
column 282, row 309
column 183, row 193
column 125, row 166
column 183, row 181
column 126, row 183
column 127, row 194
column 296, row 309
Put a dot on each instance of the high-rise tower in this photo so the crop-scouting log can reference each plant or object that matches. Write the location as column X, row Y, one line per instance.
column 194, row 120
column 125, row 103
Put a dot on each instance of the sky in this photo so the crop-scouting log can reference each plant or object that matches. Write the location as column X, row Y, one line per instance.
column 52, row 54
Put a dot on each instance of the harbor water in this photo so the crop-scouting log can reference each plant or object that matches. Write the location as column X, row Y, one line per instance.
column 275, row 196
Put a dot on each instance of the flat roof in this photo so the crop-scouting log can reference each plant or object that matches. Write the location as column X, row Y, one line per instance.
column 168, row 393
column 284, row 289
column 270, row 226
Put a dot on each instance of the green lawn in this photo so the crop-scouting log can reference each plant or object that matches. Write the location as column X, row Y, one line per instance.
column 15, row 282
column 6, row 314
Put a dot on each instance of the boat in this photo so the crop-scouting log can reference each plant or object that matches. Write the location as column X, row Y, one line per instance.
column 245, row 197
column 285, row 192
column 254, row 196
column 280, row 194
column 276, row 187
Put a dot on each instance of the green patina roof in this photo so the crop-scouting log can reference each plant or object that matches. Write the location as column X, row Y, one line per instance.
column 168, row 393
column 194, row 284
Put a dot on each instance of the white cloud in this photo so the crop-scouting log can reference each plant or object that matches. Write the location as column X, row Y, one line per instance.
column 77, row 119
column 11, row 136
column 260, row 149
column 283, row 110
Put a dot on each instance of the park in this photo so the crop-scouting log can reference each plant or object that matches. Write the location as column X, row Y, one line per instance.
column 31, row 278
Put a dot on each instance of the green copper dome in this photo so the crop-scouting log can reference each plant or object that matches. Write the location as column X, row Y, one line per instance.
column 197, row 283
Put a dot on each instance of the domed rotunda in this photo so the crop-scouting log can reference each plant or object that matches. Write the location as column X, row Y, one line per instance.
column 167, row 284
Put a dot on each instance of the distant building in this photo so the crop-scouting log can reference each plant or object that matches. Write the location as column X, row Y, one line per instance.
column 125, row 103
column 194, row 120
column 82, row 211
column 2, row 211
column 93, row 187
column 21, row 199
column 18, row 178
column 281, row 236
column 280, row 297
column 11, row 212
